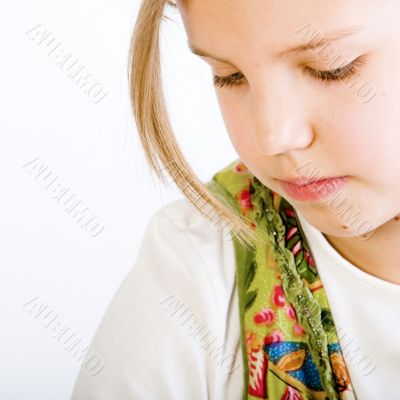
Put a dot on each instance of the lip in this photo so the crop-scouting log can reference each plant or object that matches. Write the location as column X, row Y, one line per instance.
column 307, row 189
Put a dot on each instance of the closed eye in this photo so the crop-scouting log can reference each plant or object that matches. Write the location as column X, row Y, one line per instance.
column 236, row 79
column 337, row 74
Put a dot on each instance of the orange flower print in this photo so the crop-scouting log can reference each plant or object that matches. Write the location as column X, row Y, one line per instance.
column 278, row 296
column 250, row 336
column 251, row 341
column 340, row 371
column 265, row 317
column 292, row 361
column 240, row 168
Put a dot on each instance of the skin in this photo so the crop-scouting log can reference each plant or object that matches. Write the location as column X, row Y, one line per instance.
column 282, row 118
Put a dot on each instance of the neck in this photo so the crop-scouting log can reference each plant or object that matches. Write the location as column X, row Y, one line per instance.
column 377, row 255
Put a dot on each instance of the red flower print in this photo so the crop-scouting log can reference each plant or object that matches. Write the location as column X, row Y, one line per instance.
column 244, row 199
column 296, row 248
column 291, row 394
column 275, row 336
column 289, row 212
column 258, row 370
column 291, row 232
column 290, row 312
column 278, row 296
column 309, row 258
column 298, row 330
column 265, row 317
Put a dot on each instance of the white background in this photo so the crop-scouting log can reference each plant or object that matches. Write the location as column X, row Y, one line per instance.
column 93, row 149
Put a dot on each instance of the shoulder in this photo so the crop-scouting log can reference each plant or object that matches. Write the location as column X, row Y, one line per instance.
column 181, row 243
column 178, row 230
column 178, row 214
column 182, row 221
column 183, row 280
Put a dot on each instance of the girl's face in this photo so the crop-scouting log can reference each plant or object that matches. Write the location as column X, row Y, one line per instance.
column 287, row 120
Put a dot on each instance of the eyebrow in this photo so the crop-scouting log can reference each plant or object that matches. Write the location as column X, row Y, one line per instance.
column 314, row 43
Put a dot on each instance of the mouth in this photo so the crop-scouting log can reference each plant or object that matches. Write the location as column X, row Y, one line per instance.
column 301, row 181
column 306, row 189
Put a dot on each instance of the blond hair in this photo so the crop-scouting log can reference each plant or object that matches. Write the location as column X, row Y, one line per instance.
column 160, row 147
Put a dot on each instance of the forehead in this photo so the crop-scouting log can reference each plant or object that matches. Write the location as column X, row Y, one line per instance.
column 223, row 26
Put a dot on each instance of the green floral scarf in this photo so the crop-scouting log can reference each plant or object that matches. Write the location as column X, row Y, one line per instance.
column 289, row 342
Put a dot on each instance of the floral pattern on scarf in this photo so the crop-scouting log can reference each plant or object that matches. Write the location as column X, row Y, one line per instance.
column 289, row 341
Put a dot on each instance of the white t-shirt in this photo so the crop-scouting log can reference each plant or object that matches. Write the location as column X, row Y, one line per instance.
column 366, row 312
column 172, row 330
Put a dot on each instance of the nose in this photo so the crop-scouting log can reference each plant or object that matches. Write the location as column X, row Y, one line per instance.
column 280, row 117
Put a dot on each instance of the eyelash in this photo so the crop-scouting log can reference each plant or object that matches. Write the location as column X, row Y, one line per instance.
column 337, row 74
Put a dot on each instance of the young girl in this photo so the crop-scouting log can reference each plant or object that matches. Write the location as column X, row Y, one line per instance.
column 278, row 278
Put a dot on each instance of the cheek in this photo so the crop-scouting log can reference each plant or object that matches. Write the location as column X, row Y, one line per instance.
column 369, row 135
column 373, row 122
column 361, row 134
column 238, row 122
